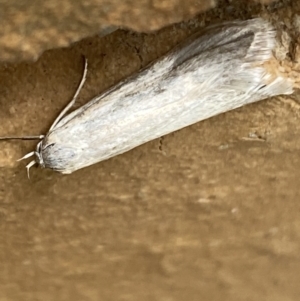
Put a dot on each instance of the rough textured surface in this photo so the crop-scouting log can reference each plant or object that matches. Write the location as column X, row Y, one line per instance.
column 30, row 27
column 210, row 212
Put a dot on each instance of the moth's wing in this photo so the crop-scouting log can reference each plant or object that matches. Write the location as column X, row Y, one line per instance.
column 220, row 36
column 224, row 73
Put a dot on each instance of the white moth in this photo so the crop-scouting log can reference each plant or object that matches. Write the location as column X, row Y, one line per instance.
column 214, row 71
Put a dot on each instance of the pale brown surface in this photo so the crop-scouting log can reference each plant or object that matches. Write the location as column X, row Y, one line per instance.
column 210, row 212
column 30, row 27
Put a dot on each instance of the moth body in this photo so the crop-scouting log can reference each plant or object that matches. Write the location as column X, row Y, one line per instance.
column 214, row 71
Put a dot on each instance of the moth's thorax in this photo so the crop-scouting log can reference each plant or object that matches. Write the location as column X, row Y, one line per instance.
column 55, row 155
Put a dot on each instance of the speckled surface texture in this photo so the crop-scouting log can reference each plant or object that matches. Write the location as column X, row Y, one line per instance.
column 210, row 212
column 30, row 27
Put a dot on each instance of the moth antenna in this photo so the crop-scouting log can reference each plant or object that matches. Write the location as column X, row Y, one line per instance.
column 26, row 156
column 23, row 138
column 71, row 103
column 28, row 166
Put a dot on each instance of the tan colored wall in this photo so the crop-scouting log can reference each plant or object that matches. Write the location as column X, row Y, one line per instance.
column 206, row 213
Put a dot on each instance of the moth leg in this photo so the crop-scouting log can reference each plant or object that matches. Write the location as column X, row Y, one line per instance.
column 28, row 166
column 27, row 156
